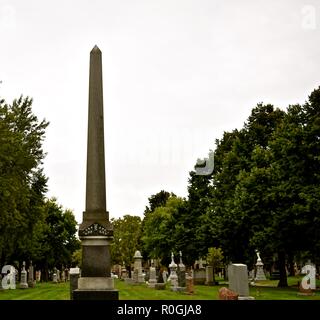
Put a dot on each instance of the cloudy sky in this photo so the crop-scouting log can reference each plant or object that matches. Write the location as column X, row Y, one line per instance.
column 177, row 73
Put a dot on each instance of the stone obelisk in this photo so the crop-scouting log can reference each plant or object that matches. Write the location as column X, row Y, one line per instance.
column 95, row 231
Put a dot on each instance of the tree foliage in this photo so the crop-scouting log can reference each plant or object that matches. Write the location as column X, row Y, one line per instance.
column 31, row 227
column 262, row 194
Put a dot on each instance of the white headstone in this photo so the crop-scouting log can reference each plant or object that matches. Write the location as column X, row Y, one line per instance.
column 173, row 274
column 152, row 277
column 23, row 282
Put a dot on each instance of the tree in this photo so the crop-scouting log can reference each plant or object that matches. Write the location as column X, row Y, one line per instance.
column 158, row 200
column 127, row 234
column 22, row 182
column 57, row 237
column 215, row 259
column 161, row 230
column 232, row 163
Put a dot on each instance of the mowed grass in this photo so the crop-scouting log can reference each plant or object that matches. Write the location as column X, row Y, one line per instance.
column 42, row 291
column 266, row 290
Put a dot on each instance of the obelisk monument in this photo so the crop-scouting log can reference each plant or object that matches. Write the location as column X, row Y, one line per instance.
column 95, row 231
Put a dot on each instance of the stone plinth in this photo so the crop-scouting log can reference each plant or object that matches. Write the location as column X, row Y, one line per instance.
column 74, row 276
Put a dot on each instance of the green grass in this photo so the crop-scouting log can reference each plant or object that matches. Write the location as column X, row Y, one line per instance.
column 266, row 290
column 42, row 291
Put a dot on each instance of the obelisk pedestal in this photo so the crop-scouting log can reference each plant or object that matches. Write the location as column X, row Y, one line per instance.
column 95, row 231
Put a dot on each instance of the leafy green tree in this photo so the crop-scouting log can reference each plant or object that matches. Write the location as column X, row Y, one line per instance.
column 215, row 259
column 57, row 237
column 127, row 234
column 22, row 182
column 158, row 200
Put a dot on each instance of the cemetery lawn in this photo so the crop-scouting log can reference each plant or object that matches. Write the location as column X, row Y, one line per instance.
column 266, row 290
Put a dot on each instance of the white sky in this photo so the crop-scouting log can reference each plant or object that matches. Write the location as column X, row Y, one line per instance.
column 177, row 73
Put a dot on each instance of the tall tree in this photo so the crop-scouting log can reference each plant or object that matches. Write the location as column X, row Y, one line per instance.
column 127, row 234
column 22, row 183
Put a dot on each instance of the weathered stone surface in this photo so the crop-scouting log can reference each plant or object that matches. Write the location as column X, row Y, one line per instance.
column 238, row 279
column 23, row 280
column 189, row 284
column 199, row 276
column 74, row 274
column 153, row 277
column 227, row 294
column 209, row 276
column 93, row 268
column 138, row 277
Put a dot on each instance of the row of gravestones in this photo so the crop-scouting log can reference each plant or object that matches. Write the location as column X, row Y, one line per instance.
column 9, row 277
column 178, row 279
column 28, row 279
column 60, row 276
column 239, row 282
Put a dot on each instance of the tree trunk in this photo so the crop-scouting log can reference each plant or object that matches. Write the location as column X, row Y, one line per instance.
column 291, row 266
column 224, row 274
column 214, row 278
column 282, row 268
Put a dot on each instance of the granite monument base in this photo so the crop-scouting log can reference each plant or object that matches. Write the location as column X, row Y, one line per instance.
column 95, row 288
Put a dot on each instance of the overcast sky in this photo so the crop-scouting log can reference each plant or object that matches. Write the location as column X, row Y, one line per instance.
column 176, row 74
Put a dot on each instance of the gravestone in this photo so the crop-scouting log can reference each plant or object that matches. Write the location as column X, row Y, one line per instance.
column 181, row 275
column 38, row 275
column 153, row 276
column 55, row 275
column 124, row 273
column 165, row 276
column 63, row 275
column 23, row 279
column 238, row 280
column 138, row 277
column 260, row 276
column 74, row 274
column 209, row 276
column 58, row 275
column 95, row 231
column 160, row 285
column 189, row 283
column 199, row 276
column 173, row 274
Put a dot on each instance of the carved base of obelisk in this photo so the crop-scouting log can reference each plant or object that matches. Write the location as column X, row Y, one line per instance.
column 95, row 282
